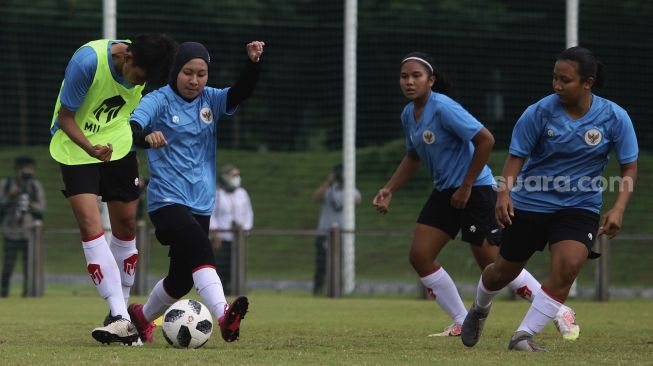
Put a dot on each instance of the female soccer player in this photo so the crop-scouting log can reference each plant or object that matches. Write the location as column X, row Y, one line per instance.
column 179, row 124
column 455, row 148
column 92, row 141
column 555, row 196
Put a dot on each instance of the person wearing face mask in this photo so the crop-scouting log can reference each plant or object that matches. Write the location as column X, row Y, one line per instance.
column 331, row 195
column 178, row 125
column 233, row 208
column 22, row 203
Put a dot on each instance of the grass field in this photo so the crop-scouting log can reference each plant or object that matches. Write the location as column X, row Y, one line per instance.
column 296, row 329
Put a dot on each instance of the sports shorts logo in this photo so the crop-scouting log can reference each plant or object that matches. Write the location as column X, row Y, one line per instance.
column 550, row 133
column 428, row 137
column 110, row 106
column 593, row 137
column 175, row 119
column 206, row 115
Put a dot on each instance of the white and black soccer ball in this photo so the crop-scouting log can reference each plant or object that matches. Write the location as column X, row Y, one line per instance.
column 187, row 324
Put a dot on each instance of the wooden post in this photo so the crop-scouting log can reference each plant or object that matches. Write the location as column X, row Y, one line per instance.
column 238, row 261
column 143, row 246
column 334, row 263
column 602, row 291
column 35, row 281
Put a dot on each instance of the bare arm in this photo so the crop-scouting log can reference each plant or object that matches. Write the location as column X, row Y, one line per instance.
column 318, row 193
column 611, row 223
column 483, row 143
column 504, row 209
column 406, row 169
column 68, row 125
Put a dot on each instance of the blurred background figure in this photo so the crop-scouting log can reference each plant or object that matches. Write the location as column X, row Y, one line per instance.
column 22, row 202
column 331, row 195
column 233, row 208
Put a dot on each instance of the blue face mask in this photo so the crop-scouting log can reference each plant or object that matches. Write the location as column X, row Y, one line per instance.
column 26, row 176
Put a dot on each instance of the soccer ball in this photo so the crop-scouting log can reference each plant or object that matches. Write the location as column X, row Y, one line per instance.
column 187, row 324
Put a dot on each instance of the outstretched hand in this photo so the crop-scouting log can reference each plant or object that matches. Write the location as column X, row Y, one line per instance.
column 611, row 223
column 255, row 50
column 382, row 200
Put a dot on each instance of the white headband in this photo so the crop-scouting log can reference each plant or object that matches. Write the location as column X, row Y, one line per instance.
column 420, row 60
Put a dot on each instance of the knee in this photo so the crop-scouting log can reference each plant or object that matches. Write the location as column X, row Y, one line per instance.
column 567, row 273
column 125, row 226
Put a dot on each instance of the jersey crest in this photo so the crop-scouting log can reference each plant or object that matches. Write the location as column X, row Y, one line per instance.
column 428, row 137
column 593, row 137
column 206, row 115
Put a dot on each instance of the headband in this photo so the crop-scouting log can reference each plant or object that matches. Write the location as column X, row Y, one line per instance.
column 420, row 60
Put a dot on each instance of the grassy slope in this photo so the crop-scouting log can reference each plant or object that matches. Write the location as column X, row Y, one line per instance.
column 281, row 184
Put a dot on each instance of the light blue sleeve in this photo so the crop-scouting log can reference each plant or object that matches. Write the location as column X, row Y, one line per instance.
column 218, row 99
column 625, row 140
column 456, row 119
column 526, row 133
column 78, row 78
column 148, row 110
column 408, row 142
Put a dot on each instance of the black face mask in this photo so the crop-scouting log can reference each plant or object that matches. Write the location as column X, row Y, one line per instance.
column 26, row 176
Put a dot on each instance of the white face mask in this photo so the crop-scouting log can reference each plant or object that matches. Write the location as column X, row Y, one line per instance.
column 234, row 181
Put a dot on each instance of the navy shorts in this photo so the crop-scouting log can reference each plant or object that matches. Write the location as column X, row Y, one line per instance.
column 531, row 231
column 476, row 220
column 114, row 180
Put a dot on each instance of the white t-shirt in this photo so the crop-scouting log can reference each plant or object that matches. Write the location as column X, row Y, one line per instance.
column 231, row 207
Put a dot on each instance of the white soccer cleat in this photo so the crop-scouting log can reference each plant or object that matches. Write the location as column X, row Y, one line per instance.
column 565, row 321
column 451, row 331
column 120, row 330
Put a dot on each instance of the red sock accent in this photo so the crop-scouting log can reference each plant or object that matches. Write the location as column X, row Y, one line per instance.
column 93, row 237
column 551, row 296
column 437, row 268
column 202, row 267
column 123, row 239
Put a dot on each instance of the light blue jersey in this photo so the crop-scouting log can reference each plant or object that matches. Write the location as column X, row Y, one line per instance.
column 566, row 157
column 443, row 141
column 183, row 172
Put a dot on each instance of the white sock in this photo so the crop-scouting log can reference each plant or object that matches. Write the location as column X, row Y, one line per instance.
column 542, row 310
column 525, row 285
column 209, row 287
column 104, row 273
column 158, row 302
column 441, row 287
column 484, row 296
column 126, row 256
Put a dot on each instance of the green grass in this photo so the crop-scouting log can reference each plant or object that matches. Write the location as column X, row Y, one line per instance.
column 295, row 329
column 281, row 183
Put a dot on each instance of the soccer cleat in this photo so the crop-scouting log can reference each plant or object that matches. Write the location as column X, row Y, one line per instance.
column 142, row 325
column 451, row 331
column 119, row 330
column 565, row 321
column 230, row 321
column 473, row 325
column 110, row 318
column 523, row 341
